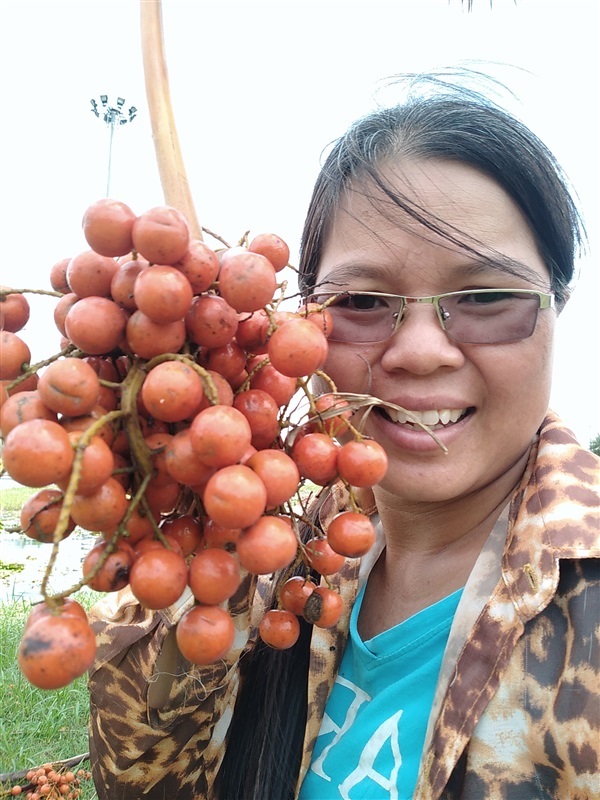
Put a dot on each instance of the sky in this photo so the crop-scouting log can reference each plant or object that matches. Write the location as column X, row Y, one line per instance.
column 259, row 88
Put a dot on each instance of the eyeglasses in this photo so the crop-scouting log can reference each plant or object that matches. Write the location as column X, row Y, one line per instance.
column 474, row 316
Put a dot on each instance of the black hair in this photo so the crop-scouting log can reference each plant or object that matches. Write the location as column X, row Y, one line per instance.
column 263, row 748
column 264, row 742
column 444, row 120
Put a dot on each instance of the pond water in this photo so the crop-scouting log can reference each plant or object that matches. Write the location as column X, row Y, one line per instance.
column 16, row 548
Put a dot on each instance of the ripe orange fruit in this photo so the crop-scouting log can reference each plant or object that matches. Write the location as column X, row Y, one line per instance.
column 295, row 592
column 102, row 509
column 323, row 608
column 235, row 497
column 278, row 472
column 15, row 355
column 14, row 312
column 39, row 515
column 186, row 530
column 204, row 634
column 96, row 325
column 172, row 391
column 211, row 321
column 161, row 235
column 158, row 578
column 351, row 534
column 279, row 629
column 214, row 576
column 147, row 339
column 322, row 558
column 114, row 572
column 38, row 452
column 67, row 607
column 20, row 407
column 272, row 247
column 267, row 546
column 220, row 435
column 297, row 348
column 69, row 386
column 247, row 280
column 89, row 274
column 261, row 411
column 123, row 281
column 55, row 650
column 107, row 226
column 58, row 276
column 316, row 455
column 362, row 463
column 200, row 266
column 163, row 294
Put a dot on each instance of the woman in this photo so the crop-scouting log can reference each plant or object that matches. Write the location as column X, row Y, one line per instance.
column 442, row 236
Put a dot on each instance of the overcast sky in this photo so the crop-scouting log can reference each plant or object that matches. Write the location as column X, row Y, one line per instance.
column 259, row 89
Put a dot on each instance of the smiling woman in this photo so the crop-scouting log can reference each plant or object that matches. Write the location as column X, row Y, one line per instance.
column 441, row 238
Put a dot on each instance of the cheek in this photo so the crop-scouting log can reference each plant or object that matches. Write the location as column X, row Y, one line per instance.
column 519, row 383
column 349, row 370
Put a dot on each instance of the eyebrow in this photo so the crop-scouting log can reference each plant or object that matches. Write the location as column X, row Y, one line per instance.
column 504, row 264
column 339, row 276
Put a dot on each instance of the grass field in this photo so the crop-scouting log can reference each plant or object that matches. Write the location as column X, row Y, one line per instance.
column 12, row 499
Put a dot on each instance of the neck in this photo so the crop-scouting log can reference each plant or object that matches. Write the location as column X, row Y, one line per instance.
column 430, row 550
column 427, row 529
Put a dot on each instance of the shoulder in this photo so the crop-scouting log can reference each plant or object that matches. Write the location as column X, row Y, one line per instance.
column 560, row 494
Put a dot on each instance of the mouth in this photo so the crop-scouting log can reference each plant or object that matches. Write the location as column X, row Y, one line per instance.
column 435, row 419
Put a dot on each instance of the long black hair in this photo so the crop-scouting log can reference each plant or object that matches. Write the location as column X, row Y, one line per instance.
column 440, row 119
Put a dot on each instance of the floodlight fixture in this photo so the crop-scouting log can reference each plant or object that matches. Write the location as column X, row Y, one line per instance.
column 113, row 115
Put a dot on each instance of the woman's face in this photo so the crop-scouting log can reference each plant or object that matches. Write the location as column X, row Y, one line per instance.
column 499, row 391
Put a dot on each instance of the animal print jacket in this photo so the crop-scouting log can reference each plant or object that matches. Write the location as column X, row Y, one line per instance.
column 517, row 709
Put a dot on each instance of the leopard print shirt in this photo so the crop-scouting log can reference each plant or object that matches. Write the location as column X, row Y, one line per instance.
column 516, row 714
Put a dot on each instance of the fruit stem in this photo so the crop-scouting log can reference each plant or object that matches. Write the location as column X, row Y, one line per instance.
column 48, row 292
column 140, row 452
column 216, row 237
column 67, row 503
column 171, row 168
column 33, row 368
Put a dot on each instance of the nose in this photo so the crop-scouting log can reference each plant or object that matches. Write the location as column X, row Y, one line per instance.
column 420, row 345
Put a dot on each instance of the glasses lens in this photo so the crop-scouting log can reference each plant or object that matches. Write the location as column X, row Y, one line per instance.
column 360, row 317
column 492, row 317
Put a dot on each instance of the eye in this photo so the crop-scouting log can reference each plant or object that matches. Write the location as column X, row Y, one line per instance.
column 364, row 302
column 484, row 298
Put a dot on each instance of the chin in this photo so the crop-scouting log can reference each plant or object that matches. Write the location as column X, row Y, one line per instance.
column 420, row 489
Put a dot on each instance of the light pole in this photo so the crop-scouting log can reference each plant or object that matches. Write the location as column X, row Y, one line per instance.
column 112, row 116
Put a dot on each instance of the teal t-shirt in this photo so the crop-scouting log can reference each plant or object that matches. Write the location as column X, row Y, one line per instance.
column 373, row 731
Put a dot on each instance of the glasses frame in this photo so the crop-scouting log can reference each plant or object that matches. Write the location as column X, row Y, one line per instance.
column 545, row 299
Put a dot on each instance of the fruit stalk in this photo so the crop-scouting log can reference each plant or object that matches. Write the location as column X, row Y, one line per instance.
column 171, row 168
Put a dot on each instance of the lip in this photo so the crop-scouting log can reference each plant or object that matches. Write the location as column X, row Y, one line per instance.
column 418, row 440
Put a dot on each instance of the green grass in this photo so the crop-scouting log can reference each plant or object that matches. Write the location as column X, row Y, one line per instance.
column 12, row 500
column 38, row 726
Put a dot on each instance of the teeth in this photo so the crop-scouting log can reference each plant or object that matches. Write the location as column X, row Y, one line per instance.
column 429, row 417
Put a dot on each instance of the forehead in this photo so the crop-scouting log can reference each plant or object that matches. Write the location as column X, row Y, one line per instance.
column 476, row 226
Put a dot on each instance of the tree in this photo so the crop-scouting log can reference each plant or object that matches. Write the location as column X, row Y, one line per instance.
column 595, row 445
